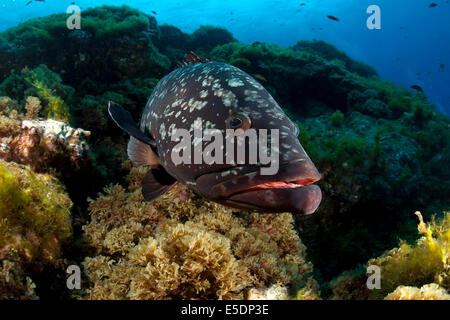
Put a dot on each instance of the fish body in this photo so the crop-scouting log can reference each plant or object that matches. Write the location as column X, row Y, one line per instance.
column 417, row 87
column 333, row 18
column 260, row 77
column 216, row 96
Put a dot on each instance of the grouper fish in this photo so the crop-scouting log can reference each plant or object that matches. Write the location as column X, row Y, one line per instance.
column 219, row 96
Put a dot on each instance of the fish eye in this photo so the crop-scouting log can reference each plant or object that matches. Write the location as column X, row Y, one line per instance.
column 297, row 130
column 238, row 120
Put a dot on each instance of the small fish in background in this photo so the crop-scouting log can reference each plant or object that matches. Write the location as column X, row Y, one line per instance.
column 187, row 94
column 28, row 3
column 154, row 12
column 333, row 18
column 432, row 5
column 442, row 66
column 416, row 87
column 302, row 4
column 259, row 77
column 256, row 43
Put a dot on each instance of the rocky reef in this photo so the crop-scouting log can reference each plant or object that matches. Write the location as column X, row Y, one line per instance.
column 383, row 152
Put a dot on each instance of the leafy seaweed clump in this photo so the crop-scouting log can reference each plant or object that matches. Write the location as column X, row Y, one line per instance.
column 404, row 269
column 182, row 246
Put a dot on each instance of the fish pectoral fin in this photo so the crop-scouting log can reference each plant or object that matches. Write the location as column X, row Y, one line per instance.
column 141, row 154
column 156, row 182
column 125, row 121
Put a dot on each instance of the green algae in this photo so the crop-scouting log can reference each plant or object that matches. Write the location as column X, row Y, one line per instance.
column 34, row 213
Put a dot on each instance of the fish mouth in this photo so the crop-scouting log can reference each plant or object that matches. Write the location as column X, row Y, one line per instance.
column 290, row 190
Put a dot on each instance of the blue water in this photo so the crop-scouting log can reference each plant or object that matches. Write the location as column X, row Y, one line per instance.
column 413, row 42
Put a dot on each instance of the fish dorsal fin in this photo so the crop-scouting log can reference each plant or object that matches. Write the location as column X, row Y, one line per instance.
column 156, row 182
column 125, row 121
column 141, row 154
column 192, row 58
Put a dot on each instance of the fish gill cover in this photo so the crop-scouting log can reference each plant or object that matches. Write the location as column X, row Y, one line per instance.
column 382, row 149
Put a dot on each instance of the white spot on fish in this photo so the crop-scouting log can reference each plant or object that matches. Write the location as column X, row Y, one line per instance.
column 235, row 82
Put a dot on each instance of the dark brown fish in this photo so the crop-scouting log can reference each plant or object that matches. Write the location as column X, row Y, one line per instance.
column 416, row 87
column 220, row 96
column 333, row 18
column 432, row 5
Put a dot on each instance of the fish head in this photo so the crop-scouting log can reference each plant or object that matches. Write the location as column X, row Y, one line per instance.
column 250, row 158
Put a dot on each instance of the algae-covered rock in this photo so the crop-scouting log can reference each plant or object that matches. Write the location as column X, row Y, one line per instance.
column 205, row 38
column 14, row 284
column 330, row 52
column 293, row 77
column 35, row 221
column 114, row 43
column 182, row 246
column 41, row 83
column 44, row 145
column 34, row 213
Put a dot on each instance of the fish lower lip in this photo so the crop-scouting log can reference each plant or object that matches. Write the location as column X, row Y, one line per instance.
column 302, row 200
column 293, row 174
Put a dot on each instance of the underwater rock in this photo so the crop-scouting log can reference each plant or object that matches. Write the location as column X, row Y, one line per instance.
column 275, row 292
column 205, row 38
column 182, row 246
column 45, row 144
column 115, row 43
column 14, row 284
column 291, row 76
column 34, row 213
column 350, row 285
column 430, row 291
column 375, row 170
column 329, row 52
column 35, row 221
